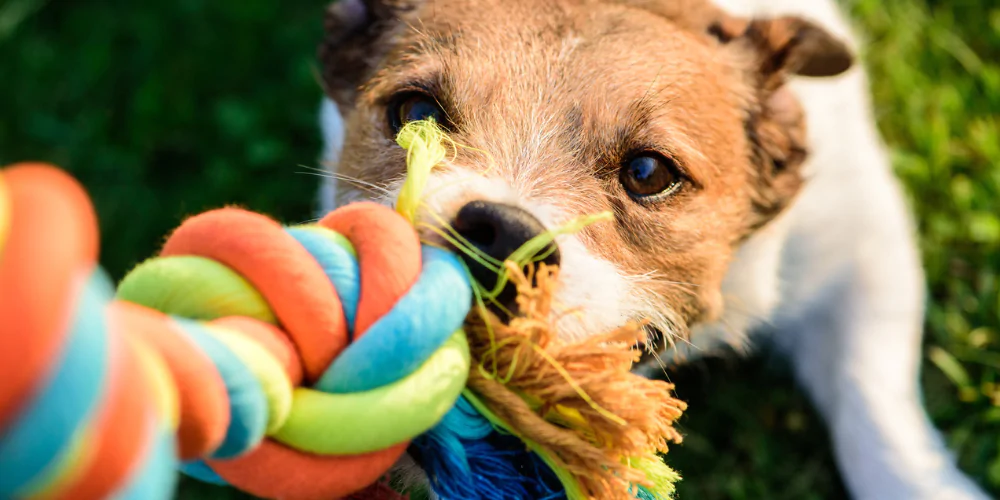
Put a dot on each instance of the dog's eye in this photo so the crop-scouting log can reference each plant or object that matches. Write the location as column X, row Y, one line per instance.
column 413, row 107
column 649, row 175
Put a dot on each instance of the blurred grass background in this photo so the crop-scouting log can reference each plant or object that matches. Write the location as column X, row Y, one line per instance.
column 167, row 108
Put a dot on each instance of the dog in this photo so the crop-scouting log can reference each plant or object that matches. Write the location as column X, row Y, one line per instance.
column 732, row 142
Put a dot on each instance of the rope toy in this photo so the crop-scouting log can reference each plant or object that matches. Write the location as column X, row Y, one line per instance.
column 301, row 362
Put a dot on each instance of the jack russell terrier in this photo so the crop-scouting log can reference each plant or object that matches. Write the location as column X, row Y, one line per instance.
column 735, row 146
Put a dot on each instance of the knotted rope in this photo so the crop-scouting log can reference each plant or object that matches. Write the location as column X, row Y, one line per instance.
column 295, row 362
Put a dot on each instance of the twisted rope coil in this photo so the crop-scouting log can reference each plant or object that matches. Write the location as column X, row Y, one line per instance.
column 284, row 360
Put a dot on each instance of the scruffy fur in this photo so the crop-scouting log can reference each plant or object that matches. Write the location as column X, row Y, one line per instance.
column 790, row 224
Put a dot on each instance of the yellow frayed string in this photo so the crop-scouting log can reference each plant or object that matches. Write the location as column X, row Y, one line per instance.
column 424, row 142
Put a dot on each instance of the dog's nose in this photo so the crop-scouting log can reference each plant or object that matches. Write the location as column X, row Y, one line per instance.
column 497, row 230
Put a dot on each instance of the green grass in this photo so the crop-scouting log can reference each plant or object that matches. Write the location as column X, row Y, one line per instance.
column 164, row 109
column 937, row 84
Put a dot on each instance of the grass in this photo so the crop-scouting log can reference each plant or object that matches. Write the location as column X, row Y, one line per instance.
column 941, row 114
column 163, row 109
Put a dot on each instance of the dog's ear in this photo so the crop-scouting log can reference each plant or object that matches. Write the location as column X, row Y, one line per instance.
column 770, row 51
column 357, row 34
column 787, row 45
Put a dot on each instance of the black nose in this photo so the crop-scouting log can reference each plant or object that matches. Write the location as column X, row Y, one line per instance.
column 497, row 230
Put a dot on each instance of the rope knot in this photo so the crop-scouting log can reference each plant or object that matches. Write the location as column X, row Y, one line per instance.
column 291, row 362
column 362, row 325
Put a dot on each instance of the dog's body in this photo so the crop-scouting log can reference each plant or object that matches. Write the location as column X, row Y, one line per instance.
column 834, row 279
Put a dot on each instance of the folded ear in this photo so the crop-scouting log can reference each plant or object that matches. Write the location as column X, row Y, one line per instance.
column 357, row 34
column 768, row 52
column 792, row 45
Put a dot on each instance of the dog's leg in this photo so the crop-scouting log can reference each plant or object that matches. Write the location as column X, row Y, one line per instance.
column 852, row 309
column 856, row 350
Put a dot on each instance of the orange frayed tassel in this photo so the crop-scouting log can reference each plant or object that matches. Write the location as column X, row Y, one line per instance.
column 577, row 401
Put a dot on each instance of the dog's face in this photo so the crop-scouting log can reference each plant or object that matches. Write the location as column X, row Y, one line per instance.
column 669, row 115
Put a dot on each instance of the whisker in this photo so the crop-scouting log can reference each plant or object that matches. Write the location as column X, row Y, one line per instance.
column 315, row 169
column 316, row 174
column 374, row 189
column 653, row 275
column 339, row 176
column 659, row 361
column 359, row 182
column 367, row 189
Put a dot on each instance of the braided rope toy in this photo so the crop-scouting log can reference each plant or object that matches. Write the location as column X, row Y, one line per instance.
column 297, row 363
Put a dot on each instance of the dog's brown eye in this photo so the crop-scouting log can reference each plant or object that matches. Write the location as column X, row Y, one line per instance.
column 413, row 107
column 650, row 175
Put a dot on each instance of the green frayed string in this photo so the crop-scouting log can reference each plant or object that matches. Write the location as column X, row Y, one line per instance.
column 537, row 249
column 661, row 477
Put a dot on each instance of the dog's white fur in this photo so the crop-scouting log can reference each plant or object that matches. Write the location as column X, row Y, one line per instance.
column 836, row 282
